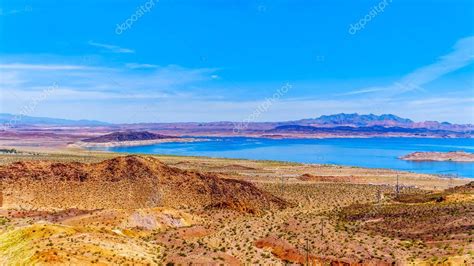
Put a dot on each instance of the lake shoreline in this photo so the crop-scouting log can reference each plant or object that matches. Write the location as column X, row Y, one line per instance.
column 134, row 143
column 378, row 153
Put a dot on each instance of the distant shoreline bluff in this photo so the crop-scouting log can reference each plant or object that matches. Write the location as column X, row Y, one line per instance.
column 132, row 143
column 453, row 156
column 128, row 139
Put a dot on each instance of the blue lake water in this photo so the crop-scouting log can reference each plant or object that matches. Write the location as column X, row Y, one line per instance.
column 371, row 152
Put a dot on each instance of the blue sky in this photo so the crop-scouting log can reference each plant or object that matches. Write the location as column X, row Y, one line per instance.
column 219, row 60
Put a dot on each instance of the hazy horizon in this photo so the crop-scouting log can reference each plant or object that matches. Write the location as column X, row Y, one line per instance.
column 20, row 117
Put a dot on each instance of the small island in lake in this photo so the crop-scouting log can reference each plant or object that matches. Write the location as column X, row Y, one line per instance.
column 454, row 156
column 129, row 138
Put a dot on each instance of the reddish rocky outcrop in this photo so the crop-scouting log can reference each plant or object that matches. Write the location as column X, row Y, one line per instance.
column 126, row 182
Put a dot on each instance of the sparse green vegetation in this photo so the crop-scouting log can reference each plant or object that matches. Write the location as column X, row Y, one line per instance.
column 353, row 222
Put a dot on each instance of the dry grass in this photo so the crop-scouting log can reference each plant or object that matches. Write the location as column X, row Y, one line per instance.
column 354, row 221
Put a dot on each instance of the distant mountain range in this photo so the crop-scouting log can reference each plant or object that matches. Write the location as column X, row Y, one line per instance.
column 385, row 120
column 11, row 120
column 349, row 130
column 323, row 126
column 358, row 120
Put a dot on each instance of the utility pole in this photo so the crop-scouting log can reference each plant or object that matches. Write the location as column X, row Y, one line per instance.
column 398, row 187
column 451, row 180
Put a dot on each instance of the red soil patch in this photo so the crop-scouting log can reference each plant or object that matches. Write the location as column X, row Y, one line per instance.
column 193, row 232
column 217, row 258
column 287, row 252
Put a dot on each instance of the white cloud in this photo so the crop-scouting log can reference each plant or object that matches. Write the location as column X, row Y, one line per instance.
column 21, row 66
column 112, row 48
column 442, row 101
column 182, row 94
column 5, row 12
column 68, row 94
column 189, row 109
column 10, row 78
column 185, row 108
column 461, row 56
column 140, row 66
column 361, row 91
column 79, row 82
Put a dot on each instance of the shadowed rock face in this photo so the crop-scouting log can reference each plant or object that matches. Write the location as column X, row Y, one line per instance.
column 126, row 182
column 127, row 136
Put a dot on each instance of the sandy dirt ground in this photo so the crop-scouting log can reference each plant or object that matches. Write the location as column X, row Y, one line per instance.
column 340, row 215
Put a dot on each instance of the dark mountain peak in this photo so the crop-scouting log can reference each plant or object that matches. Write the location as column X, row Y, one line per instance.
column 393, row 117
column 127, row 136
column 373, row 121
column 356, row 119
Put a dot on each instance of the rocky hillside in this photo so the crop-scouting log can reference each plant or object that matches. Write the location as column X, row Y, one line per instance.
column 454, row 156
column 359, row 120
column 127, row 182
column 127, row 136
column 385, row 120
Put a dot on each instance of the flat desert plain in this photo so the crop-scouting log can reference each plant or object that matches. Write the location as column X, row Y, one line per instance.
column 70, row 206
